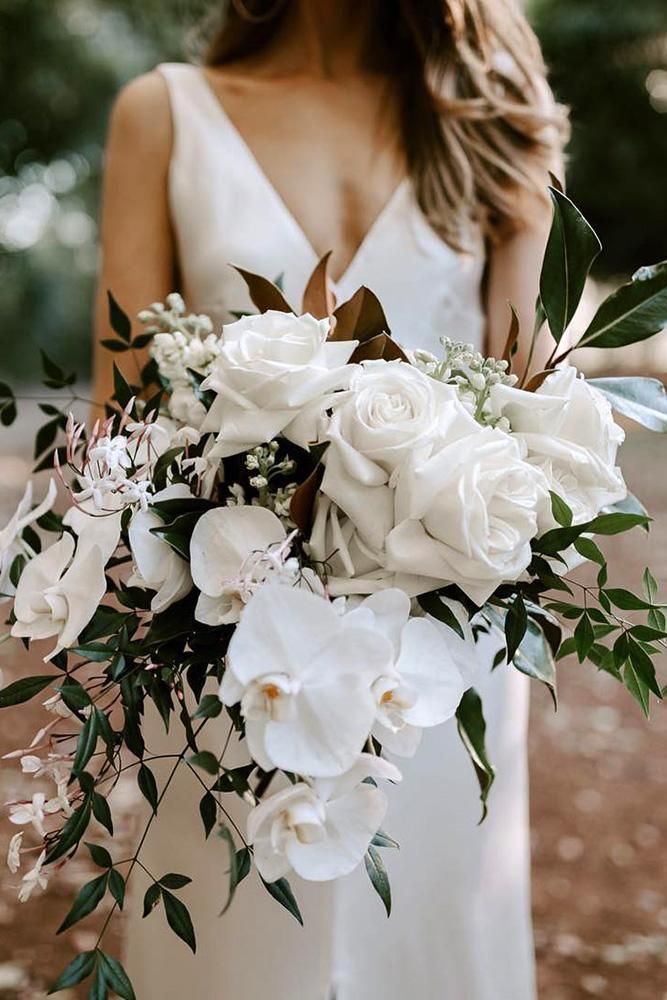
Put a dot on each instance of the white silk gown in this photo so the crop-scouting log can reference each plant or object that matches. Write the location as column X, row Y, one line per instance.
column 460, row 927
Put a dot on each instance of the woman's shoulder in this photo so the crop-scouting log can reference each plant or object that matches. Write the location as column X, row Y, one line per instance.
column 141, row 113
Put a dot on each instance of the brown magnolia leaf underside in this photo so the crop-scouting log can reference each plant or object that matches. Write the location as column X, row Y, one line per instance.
column 318, row 299
column 264, row 294
column 303, row 500
column 360, row 318
column 381, row 347
column 512, row 336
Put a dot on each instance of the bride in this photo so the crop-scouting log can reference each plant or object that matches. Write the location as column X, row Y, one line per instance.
column 413, row 138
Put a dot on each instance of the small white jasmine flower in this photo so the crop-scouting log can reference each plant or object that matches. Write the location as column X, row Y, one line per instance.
column 14, row 853
column 111, row 451
column 33, row 879
column 34, row 812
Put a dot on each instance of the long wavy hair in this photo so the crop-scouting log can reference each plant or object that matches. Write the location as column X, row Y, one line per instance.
column 479, row 124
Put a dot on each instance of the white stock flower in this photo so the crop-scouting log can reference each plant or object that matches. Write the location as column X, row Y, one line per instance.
column 157, row 566
column 185, row 407
column 230, row 558
column 11, row 543
column 35, row 878
column 273, row 376
column 57, row 595
column 14, row 853
column 303, row 679
column 33, row 812
column 320, row 830
column 391, row 411
column 569, row 431
column 423, row 686
column 467, row 515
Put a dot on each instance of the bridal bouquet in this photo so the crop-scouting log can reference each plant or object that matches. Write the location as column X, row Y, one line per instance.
column 295, row 529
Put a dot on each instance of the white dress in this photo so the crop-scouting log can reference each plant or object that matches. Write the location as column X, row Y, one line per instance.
column 460, row 927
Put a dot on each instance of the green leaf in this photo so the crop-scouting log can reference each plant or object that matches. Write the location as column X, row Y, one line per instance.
column 23, row 690
column 560, row 510
column 74, row 695
column 617, row 522
column 77, row 970
column 587, row 548
column 100, row 855
column 148, row 786
column 226, row 834
column 102, row 812
column 88, row 899
column 116, row 977
column 208, row 810
column 626, row 601
column 382, row 839
column 571, row 249
column 119, row 320
column 516, row 623
column 179, row 919
column 535, row 658
column 99, row 989
column 637, row 688
column 643, row 666
column 86, row 744
column 45, row 436
column 642, row 399
column 71, row 833
column 434, row 606
column 650, row 585
column 122, row 392
column 206, row 760
column 377, row 873
column 151, row 898
column 472, row 730
column 209, row 707
column 584, row 637
column 117, row 887
column 634, row 312
column 281, row 891
column 116, row 346
column 646, row 633
column 172, row 880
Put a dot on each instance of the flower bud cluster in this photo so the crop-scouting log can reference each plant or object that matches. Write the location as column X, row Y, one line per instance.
column 472, row 374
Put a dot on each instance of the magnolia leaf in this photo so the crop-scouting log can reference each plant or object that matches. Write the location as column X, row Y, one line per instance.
column 303, row 500
column 264, row 293
column 360, row 318
column 512, row 342
column 571, row 249
column 318, row 299
column 634, row 312
column 377, row 873
column 642, row 399
column 472, row 730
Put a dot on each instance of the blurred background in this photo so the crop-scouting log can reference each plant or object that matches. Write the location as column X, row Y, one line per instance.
column 599, row 772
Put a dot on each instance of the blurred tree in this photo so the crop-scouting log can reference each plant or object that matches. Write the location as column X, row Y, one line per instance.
column 608, row 61
column 61, row 63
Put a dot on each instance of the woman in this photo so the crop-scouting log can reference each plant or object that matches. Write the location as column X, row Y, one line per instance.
column 413, row 138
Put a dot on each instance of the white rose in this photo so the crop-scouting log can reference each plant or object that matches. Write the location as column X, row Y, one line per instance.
column 157, row 566
column 272, row 369
column 391, row 412
column 569, row 431
column 230, row 558
column 322, row 829
column 467, row 514
column 57, row 595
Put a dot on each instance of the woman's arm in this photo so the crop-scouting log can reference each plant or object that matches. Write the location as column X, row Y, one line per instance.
column 514, row 277
column 137, row 262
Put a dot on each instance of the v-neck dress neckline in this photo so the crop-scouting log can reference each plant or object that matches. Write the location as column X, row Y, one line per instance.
column 375, row 228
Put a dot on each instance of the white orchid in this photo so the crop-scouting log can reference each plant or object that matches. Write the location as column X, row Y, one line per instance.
column 157, row 565
column 230, row 557
column 423, row 686
column 11, row 543
column 33, row 812
column 57, row 595
column 14, row 853
column 35, row 878
column 321, row 829
column 274, row 374
column 303, row 678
